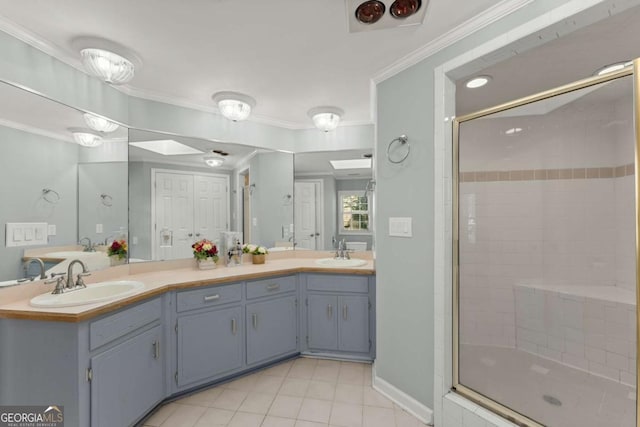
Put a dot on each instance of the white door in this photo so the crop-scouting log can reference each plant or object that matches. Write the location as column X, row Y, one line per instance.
column 174, row 215
column 305, row 215
column 210, row 207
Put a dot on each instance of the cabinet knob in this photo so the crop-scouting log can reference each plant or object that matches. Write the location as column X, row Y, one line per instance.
column 156, row 349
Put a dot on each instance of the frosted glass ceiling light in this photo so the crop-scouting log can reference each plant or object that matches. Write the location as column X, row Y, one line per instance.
column 326, row 118
column 86, row 137
column 107, row 66
column 477, row 82
column 233, row 105
column 99, row 123
column 214, row 161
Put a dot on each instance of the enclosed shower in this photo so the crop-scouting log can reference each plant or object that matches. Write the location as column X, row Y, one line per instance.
column 545, row 281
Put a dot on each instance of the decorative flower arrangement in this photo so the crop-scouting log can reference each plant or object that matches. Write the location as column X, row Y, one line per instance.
column 118, row 248
column 248, row 248
column 204, row 249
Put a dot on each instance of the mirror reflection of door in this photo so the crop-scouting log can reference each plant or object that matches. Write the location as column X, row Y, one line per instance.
column 306, row 230
column 246, row 207
column 188, row 207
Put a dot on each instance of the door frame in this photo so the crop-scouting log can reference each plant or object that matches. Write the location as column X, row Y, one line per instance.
column 319, row 185
column 152, row 189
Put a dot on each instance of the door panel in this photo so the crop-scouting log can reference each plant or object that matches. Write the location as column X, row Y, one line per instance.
column 211, row 207
column 209, row 344
column 354, row 323
column 174, row 215
column 305, row 214
column 271, row 329
column 323, row 322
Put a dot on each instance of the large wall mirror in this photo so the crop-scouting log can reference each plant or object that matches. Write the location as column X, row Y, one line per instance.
column 184, row 189
column 60, row 200
column 333, row 200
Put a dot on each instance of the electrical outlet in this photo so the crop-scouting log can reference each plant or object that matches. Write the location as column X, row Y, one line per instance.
column 99, row 229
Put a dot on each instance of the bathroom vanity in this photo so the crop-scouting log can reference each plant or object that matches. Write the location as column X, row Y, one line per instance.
column 111, row 364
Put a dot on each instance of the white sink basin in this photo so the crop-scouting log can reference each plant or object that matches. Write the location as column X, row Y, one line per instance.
column 72, row 254
column 332, row 262
column 98, row 292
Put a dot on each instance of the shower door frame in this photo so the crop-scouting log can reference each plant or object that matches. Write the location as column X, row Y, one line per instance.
column 482, row 400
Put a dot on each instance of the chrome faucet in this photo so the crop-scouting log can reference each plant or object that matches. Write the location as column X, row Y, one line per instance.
column 27, row 263
column 342, row 252
column 88, row 247
column 79, row 282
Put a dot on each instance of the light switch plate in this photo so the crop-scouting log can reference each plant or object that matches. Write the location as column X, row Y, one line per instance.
column 400, row 227
column 25, row 234
column 51, row 230
column 99, row 229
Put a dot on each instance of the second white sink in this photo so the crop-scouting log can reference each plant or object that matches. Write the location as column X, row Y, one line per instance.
column 333, row 262
column 99, row 292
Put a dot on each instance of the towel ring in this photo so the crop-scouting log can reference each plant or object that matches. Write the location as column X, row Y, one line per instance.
column 50, row 196
column 107, row 200
column 403, row 140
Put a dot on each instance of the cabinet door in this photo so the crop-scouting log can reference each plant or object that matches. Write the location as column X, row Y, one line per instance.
column 127, row 380
column 353, row 329
column 322, row 321
column 271, row 329
column 209, row 344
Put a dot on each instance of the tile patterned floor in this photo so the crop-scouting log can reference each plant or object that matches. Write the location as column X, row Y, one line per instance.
column 299, row 393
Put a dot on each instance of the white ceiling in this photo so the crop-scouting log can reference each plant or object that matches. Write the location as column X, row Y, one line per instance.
column 291, row 55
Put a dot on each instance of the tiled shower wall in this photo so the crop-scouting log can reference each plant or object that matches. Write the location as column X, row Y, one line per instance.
column 532, row 232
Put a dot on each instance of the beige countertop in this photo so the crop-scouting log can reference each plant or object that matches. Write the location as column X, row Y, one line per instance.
column 160, row 277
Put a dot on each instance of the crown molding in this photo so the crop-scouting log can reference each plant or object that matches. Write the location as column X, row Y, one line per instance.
column 481, row 20
column 36, row 131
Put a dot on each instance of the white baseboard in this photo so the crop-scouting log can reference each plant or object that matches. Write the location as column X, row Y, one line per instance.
column 402, row 399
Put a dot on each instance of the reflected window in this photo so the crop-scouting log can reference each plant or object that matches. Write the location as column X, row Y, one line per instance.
column 354, row 211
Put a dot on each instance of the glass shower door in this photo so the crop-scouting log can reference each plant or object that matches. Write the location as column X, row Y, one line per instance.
column 546, row 257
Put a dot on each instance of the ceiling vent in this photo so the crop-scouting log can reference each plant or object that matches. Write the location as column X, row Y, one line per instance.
column 367, row 15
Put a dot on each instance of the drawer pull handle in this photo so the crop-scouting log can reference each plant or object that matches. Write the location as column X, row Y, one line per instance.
column 156, row 349
column 330, row 311
column 273, row 287
column 212, row 298
column 345, row 312
column 254, row 318
column 234, row 326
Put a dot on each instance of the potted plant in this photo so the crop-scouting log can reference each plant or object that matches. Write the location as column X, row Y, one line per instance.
column 206, row 254
column 258, row 253
column 117, row 252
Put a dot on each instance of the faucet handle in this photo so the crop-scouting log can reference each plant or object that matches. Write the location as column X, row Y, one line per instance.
column 80, row 281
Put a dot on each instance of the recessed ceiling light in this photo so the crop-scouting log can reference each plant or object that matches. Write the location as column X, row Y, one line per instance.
column 513, row 131
column 166, row 147
column 401, row 9
column 351, row 164
column 612, row 67
column 233, row 105
column 370, row 11
column 477, row 82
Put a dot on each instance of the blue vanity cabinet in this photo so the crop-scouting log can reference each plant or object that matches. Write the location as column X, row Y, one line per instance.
column 127, row 380
column 338, row 315
column 272, row 319
column 209, row 332
column 124, row 345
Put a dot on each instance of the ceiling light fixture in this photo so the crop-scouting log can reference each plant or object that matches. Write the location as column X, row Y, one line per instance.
column 612, row 67
column 370, row 11
column 401, row 9
column 233, row 105
column 99, row 124
column 213, row 160
column 86, row 137
column 107, row 60
column 326, row 118
column 477, row 82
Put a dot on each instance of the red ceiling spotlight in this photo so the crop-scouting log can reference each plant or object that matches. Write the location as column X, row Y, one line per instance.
column 370, row 11
column 401, row 9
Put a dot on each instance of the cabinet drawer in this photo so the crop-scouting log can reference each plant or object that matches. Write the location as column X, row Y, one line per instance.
column 273, row 286
column 117, row 325
column 208, row 297
column 335, row 283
